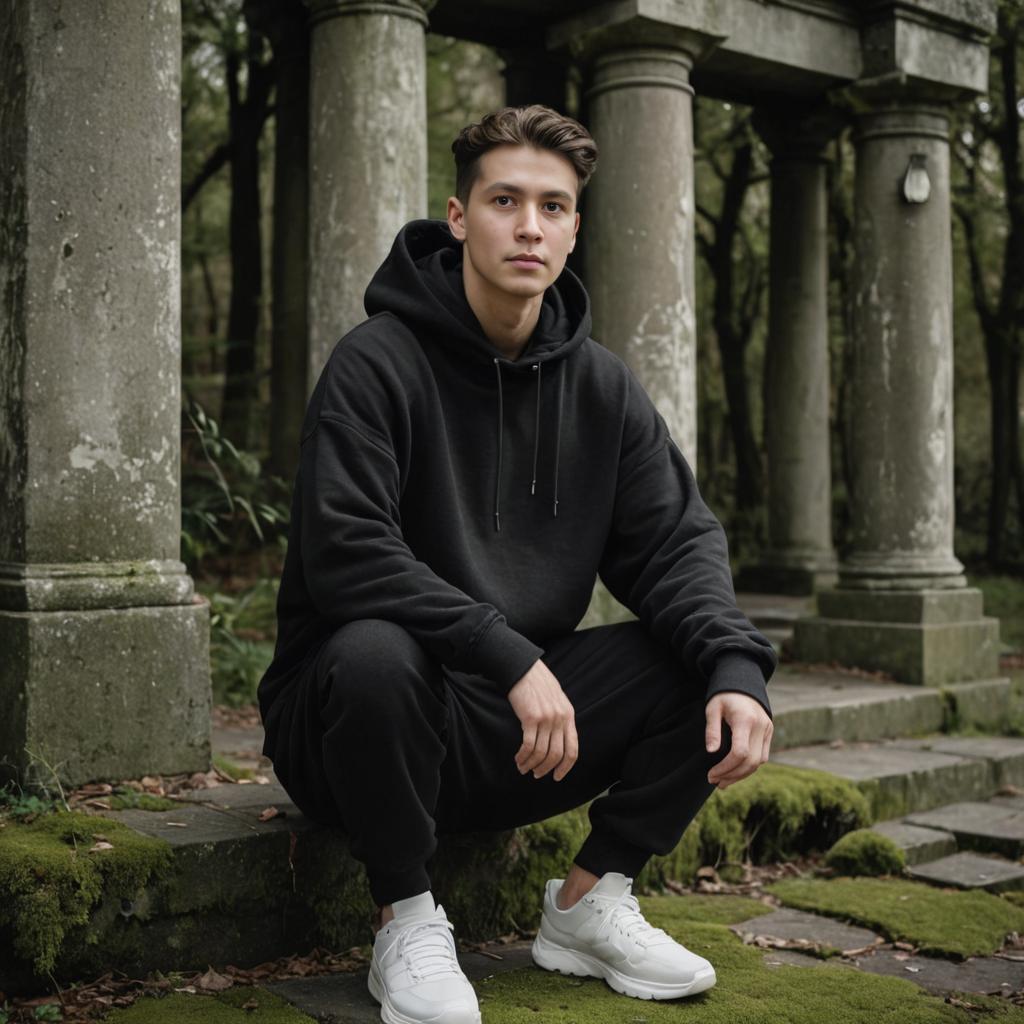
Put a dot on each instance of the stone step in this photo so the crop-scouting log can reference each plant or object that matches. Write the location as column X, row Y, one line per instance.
column 968, row 870
column 813, row 705
column 899, row 778
column 982, row 826
column 919, row 845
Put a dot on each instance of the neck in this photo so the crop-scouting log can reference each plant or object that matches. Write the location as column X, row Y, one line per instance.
column 507, row 320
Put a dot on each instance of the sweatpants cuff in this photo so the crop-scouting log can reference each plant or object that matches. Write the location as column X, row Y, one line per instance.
column 387, row 888
column 604, row 851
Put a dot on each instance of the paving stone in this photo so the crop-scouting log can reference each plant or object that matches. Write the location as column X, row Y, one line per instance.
column 788, row 923
column 897, row 781
column 918, row 844
column 345, row 999
column 1006, row 753
column 967, row 870
column 985, row 826
column 794, row 958
column 978, row 974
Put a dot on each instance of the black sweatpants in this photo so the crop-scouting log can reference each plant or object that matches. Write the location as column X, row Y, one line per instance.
column 380, row 739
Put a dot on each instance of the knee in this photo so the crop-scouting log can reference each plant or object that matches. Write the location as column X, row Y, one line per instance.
column 373, row 660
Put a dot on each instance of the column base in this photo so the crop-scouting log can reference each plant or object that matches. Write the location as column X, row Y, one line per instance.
column 927, row 637
column 104, row 694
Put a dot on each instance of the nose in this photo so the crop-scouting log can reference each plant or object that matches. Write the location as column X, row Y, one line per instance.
column 528, row 226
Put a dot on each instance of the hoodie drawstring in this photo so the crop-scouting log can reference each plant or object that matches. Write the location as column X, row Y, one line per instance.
column 536, row 436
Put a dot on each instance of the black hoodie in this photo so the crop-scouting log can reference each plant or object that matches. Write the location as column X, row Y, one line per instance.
column 473, row 499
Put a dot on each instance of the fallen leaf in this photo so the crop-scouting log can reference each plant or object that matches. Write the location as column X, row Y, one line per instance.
column 101, row 846
column 177, row 824
column 270, row 812
column 211, row 981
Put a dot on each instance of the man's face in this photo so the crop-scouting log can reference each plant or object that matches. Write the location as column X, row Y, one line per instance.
column 522, row 203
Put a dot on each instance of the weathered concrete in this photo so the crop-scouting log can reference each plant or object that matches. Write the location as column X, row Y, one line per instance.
column 90, row 351
column 819, row 706
column 1004, row 753
column 825, row 933
column 919, row 845
column 368, row 152
column 800, row 557
column 640, row 225
column 984, row 974
column 897, row 781
column 986, row 827
column 967, row 870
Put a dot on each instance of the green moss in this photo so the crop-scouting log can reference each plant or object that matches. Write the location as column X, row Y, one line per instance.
column 747, row 991
column 942, row 923
column 130, row 799
column 864, row 852
column 223, row 1008
column 230, row 768
column 771, row 815
column 49, row 881
column 709, row 909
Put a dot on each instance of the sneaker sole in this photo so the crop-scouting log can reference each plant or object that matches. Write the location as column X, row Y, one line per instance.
column 553, row 957
column 388, row 1013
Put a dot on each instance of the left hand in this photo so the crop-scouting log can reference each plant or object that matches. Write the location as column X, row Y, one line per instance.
column 751, row 736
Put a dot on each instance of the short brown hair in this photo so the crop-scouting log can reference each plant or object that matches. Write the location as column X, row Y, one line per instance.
column 535, row 125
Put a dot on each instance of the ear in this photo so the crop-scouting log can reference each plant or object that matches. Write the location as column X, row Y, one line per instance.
column 456, row 218
column 575, row 229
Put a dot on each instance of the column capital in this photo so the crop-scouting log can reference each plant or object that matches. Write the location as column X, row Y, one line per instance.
column 693, row 30
column 325, row 10
column 800, row 134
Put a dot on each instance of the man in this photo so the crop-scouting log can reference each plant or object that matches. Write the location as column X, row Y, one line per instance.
column 471, row 460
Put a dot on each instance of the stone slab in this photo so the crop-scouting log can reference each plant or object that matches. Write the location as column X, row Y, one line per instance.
column 966, row 870
column 793, row 958
column 982, row 826
column 825, row 932
column 919, row 845
column 894, row 780
column 978, row 974
column 345, row 999
column 1005, row 753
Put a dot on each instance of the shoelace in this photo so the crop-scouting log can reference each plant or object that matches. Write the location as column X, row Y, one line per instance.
column 625, row 913
column 428, row 949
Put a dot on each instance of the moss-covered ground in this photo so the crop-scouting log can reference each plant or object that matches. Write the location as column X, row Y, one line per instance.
column 749, row 991
column 940, row 922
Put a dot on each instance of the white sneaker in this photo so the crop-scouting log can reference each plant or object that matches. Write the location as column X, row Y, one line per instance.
column 415, row 973
column 604, row 935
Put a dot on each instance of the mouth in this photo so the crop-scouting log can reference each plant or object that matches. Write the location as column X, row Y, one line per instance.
column 526, row 261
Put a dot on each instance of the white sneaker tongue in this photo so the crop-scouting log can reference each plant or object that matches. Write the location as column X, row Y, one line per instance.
column 415, row 906
column 612, row 883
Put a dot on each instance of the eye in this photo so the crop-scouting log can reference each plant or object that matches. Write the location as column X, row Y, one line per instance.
column 557, row 206
column 498, row 199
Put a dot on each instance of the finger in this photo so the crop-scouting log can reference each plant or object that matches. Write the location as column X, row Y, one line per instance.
column 540, row 748
column 572, row 751
column 766, row 745
column 529, row 742
column 555, row 751
column 739, row 751
column 713, row 729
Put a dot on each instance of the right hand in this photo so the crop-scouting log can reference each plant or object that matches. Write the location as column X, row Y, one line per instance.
column 549, row 724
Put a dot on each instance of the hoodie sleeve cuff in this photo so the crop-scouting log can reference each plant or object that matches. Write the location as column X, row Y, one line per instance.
column 504, row 655
column 737, row 673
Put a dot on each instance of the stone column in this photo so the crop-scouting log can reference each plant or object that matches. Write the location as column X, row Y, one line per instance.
column 639, row 228
column 800, row 556
column 105, row 667
column 368, row 152
column 902, row 605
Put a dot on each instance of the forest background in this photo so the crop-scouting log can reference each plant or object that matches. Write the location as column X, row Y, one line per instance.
column 236, row 486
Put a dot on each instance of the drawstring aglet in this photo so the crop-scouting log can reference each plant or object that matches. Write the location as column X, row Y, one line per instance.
column 497, row 523
column 555, row 507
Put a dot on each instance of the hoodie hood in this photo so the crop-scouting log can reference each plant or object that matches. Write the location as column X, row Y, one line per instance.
column 420, row 282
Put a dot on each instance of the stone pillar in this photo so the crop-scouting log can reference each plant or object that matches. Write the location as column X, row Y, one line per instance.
column 105, row 667
column 368, row 152
column 640, row 220
column 800, row 556
column 902, row 605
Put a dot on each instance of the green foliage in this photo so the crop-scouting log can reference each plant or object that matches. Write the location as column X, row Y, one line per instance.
column 17, row 804
column 864, row 852
column 1004, row 599
column 241, row 641
column 226, row 501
